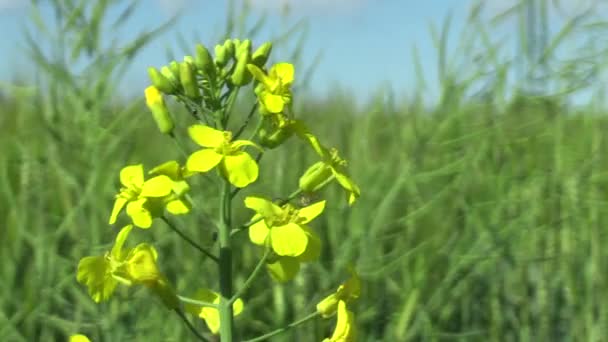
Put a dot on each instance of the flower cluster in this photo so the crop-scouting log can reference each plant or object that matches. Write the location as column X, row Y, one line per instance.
column 208, row 86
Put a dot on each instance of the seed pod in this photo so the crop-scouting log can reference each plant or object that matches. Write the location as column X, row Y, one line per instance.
column 160, row 112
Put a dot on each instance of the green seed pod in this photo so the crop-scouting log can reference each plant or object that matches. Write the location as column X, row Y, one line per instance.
column 160, row 112
column 241, row 75
column 161, row 82
column 188, row 80
column 221, row 56
column 312, row 179
column 203, row 60
column 261, row 54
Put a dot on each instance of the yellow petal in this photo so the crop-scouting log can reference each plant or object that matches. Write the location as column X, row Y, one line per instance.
column 240, row 169
column 94, row 272
column 345, row 325
column 132, row 176
column 288, row 240
column 284, row 71
column 206, row 136
column 141, row 216
column 263, row 206
column 284, row 269
column 203, row 160
column 349, row 185
column 258, row 232
column 211, row 315
column 119, row 203
column 179, row 206
column 79, row 338
column 141, row 264
column 159, row 186
column 273, row 103
column 308, row 213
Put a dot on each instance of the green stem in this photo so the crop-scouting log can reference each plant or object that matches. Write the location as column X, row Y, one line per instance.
column 231, row 100
column 189, row 300
column 252, row 276
column 225, row 266
column 190, row 326
column 285, row 328
column 189, row 240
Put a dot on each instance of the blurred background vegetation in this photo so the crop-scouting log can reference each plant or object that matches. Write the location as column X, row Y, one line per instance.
column 482, row 216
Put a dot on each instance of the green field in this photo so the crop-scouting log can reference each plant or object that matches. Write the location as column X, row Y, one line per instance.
column 482, row 218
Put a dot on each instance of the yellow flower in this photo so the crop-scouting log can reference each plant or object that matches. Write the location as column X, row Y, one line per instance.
column 346, row 292
column 275, row 91
column 135, row 193
column 284, row 228
column 176, row 203
column 345, row 326
column 132, row 266
column 219, row 150
column 330, row 166
column 210, row 315
column 79, row 338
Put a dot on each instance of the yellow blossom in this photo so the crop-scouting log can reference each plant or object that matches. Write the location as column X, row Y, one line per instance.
column 219, row 150
column 345, row 326
column 275, row 91
column 211, row 315
column 346, row 292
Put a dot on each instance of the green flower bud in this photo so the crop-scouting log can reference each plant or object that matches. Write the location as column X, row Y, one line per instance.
column 314, row 177
column 244, row 48
column 241, row 75
column 189, row 59
column 203, row 60
column 174, row 67
column 188, row 79
column 165, row 71
column 237, row 43
column 156, row 104
column 221, row 56
column 229, row 46
column 161, row 82
column 260, row 56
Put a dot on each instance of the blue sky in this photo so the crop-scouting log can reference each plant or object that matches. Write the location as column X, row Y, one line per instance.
column 365, row 44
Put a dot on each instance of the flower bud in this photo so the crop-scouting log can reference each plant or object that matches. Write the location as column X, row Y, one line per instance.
column 188, row 79
column 189, row 59
column 221, row 56
column 244, row 48
column 161, row 82
column 260, row 56
column 229, row 46
column 156, row 104
column 241, row 75
column 173, row 78
column 203, row 60
column 314, row 177
column 174, row 67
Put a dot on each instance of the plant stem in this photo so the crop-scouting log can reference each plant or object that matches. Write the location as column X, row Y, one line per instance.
column 189, row 300
column 225, row 266
column 285, row 328
column 252, row 276
column 190, row 326
column 189, row 240
column 246, row 123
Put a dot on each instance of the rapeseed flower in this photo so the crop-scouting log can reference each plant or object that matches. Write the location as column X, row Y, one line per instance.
column 274, row 91
column 211, row 315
